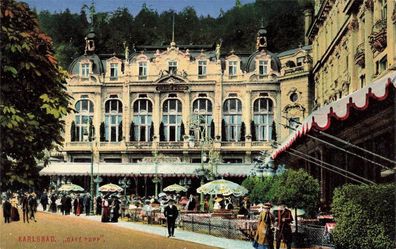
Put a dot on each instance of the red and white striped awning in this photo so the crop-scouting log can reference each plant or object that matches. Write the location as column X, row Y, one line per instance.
column 340, row 109
column 141, row 169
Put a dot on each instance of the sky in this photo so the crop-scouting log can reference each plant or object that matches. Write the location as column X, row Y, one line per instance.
column 202, row 7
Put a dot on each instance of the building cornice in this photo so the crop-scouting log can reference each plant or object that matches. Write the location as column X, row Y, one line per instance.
column 319, row 18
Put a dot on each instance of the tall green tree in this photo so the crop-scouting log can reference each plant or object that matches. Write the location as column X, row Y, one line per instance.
column 296, row 189
column 33, row 100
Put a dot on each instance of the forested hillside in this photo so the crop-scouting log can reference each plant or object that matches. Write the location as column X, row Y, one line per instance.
column 237, row 28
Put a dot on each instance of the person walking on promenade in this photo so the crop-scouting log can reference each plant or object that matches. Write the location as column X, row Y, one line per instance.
column 115, row 209
column 53, row 203
column 99, row 205
column 264, row 238
column 87, row 203
column 44, row 200
column 77, row 205
column 63, row 204
column 14, row 208
column 284, row 232
column 68, row 205
column 25, row 207
column 32, row 206
column 7, row 211
column 105, row 209
column 171, row 214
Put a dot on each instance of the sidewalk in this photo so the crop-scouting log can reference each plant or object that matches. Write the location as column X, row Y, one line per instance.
column 180, row 234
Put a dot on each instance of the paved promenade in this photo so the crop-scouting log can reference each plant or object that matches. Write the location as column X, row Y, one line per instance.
column 181, row 234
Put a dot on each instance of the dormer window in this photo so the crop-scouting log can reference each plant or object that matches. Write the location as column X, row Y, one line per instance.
column 172, row 67
column 201, row 69
column 300, row 61
column 142, row 70
column 85, row 70
column 263, row 68
column 232, row 69
column 113, row 71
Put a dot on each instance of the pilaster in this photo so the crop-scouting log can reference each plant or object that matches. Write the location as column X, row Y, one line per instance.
column 368, row 53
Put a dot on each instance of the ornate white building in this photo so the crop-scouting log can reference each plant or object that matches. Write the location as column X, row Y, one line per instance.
column 182, row 102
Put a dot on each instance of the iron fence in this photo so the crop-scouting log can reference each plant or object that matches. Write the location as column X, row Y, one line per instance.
column 217, row 226
column 315, row 235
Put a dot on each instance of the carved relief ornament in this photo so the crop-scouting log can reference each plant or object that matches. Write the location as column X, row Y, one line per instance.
column 353, row 24
column 369, row 4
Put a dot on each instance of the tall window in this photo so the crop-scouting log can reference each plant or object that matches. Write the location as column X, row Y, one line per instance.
column 85, row 112
column 142, row 117
column 113, row 71
column 142, row 70
column 113, row 118
column 263, row 70
column 300, row 61
column 232, row 68
column 201, row 69
column 172, row 66
column 263, row 117
column 84, row 70
column 203, row 110
column 232, row 112
column 172, row 118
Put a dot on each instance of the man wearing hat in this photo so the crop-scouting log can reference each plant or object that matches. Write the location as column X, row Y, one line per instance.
column 171, row 214
column 264, row 238
column 284, row 232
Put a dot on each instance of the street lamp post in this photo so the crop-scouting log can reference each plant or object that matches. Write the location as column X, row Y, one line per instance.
column 98, row 180
column 89, row 136
column 124, row 183
column 198, row 123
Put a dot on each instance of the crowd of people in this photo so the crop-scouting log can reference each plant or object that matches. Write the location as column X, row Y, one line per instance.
column 270, row 228
column 15, row 202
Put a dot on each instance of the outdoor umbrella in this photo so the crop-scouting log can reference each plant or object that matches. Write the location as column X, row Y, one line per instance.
column 222, row 187
column 69, row 187
column 175, row 187
column 110, row 188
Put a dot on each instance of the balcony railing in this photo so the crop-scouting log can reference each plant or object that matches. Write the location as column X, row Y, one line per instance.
column 294, row 69
column 377, row 39
column 171, row 145
column 232, row 144
column 139, row 144
column 359, row 55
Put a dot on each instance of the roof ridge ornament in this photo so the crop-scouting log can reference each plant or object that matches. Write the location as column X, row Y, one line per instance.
column 261, row 40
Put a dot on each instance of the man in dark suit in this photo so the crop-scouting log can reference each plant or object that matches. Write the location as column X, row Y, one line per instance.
column 7, row 211
column 87, row 203
column 25, row 207
column 171, row 214
column 284, row 232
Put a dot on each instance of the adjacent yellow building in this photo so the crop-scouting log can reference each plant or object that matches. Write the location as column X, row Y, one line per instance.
column 353, row 43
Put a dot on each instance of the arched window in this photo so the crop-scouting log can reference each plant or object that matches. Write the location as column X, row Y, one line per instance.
column 203, row 111
column 263, row 118
column 172, row 118
column 113, row 119
column 85, row 112
column 142, row 118
column 232, row 112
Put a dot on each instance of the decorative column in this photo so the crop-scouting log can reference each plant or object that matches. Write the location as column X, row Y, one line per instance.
column 127, row 111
